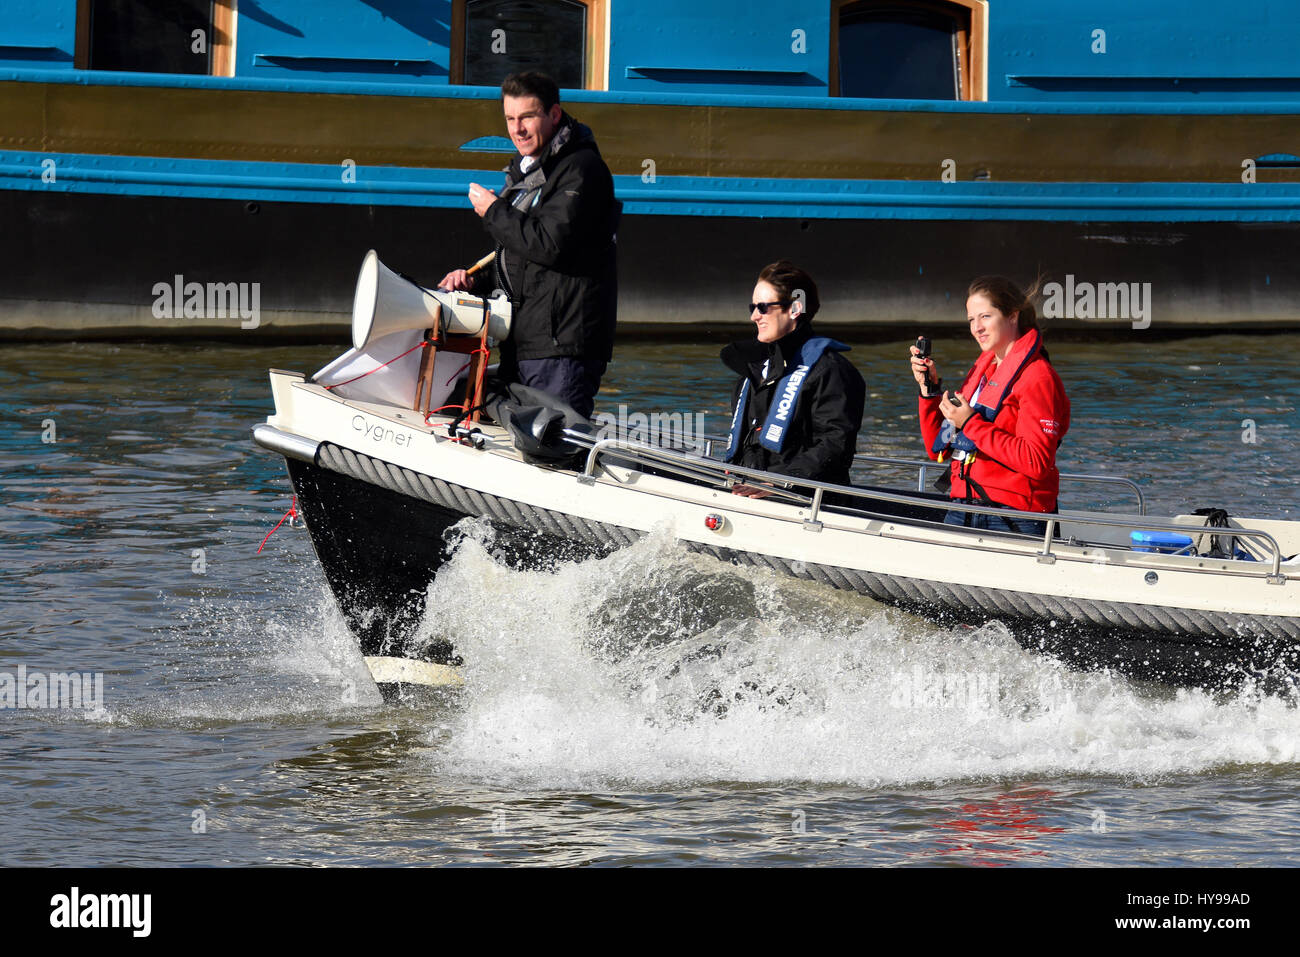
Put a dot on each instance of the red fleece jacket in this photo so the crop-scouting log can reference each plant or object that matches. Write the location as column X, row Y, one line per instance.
column 1016, row 461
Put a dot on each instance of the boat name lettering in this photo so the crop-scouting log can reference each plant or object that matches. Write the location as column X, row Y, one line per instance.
column 791, row 389
column 380, row 433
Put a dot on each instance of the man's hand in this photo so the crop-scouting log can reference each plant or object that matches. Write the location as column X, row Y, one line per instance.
column 481, row 197
column 457, row 279
column 752, row 491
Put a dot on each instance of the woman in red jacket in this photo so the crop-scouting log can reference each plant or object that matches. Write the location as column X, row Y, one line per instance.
column 1002, row 427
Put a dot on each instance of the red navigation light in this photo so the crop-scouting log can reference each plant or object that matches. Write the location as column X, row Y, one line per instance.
column 714, row 522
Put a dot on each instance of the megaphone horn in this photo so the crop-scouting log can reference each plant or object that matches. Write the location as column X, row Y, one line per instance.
column 388, row 302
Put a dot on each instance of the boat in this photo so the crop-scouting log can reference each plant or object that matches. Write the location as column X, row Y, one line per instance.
column 379, row 484
column 263, row 147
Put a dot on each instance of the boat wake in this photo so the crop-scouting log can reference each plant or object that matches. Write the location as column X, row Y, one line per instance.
column 655, row 666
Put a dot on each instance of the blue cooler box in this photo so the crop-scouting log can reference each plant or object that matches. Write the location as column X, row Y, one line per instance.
column 1167, row 543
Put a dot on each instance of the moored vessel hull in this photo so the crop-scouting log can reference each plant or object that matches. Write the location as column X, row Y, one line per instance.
column 882, row 276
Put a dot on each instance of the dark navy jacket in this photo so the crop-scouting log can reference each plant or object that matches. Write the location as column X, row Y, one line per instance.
column 554, row 229
column 822, row 437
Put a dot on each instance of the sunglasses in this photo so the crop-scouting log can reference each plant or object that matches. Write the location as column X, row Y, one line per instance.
column 763, row 307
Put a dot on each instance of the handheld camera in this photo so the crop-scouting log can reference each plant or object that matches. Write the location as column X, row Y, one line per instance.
column 923, row 352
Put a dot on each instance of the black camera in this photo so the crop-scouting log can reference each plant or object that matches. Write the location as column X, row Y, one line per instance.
column 923, row 352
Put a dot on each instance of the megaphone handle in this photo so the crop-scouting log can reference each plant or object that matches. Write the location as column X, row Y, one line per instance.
column 481, row 263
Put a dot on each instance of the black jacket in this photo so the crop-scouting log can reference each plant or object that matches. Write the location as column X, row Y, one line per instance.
column 554, row 230
column 822, row 436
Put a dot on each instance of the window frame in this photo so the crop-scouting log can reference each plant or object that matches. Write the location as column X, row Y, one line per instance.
column 595, row 69
column 221, row 41
column 972, row 44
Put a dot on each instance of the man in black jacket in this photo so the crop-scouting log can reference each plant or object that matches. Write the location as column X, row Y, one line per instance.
column 798, row 405
column 554, row 227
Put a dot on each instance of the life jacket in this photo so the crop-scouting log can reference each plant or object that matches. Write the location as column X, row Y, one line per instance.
column 781, row 411
column 951, row 443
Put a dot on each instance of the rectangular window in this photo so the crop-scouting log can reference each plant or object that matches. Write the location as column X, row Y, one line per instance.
column 563, row 38
column 908, row 49
column 155, row 36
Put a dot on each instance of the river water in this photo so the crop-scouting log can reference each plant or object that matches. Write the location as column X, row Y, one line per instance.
column 652, row 707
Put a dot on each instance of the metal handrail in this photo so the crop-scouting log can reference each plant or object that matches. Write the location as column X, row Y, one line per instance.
column 1267, row 538
column 923, row 467
column 723, row 474
column 1109, row 480
column 660, row 458
column 709, row 471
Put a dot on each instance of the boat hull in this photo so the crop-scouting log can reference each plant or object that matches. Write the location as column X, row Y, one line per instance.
column 380, row 532
column 380, row 549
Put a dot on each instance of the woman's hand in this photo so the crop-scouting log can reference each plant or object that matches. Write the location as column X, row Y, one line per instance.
column 920, row 368
column 955, row 409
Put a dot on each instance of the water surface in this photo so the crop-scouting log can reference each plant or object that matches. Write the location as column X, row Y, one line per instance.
column 650, row 707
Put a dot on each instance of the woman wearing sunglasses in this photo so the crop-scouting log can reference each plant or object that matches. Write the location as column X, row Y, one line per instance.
column 1000, row 429
column 797, row 406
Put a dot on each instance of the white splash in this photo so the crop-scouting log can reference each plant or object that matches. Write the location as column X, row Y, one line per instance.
column 656, row 667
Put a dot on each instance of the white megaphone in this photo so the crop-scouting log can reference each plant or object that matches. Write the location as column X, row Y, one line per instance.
column 386, row 302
